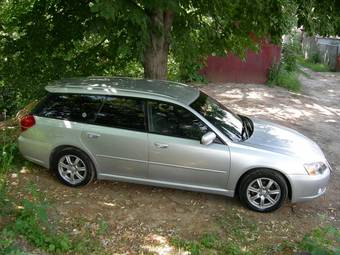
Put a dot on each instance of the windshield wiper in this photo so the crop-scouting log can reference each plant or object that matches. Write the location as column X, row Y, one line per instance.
column 245, row 131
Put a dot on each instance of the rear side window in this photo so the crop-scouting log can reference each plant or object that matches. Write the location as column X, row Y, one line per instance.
column 72, row 107
column 122, row 112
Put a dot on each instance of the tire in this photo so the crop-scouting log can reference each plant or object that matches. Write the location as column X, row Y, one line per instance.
column 267, row 197
column 73, row 167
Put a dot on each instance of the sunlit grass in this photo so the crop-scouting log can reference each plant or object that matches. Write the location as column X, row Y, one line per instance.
column 316, row 67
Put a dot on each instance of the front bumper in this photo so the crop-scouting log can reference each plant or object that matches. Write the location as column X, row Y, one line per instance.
column 306, row 187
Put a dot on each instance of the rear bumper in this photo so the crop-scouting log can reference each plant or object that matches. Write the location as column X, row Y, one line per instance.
column 34, row 151
column 305, row 187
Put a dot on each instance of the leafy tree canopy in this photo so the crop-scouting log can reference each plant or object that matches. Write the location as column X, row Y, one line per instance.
column 42, row 40
column 320, row 17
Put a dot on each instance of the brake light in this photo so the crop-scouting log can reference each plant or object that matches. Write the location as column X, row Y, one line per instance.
column 27, row 122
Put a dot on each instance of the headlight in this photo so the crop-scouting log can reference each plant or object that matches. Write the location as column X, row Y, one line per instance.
column 315, row 168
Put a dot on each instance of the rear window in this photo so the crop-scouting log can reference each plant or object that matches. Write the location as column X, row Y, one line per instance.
column 72, row 107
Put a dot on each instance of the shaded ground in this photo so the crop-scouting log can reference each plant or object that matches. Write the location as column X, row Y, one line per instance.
column 141, row 218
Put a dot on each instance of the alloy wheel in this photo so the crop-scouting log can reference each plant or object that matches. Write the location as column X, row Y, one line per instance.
column 263, row 193
column 72, row 169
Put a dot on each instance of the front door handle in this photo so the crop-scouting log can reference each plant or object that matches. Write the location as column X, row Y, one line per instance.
column 93, row 135
column 161, row 145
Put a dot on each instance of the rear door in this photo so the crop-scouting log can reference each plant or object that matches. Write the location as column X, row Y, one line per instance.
column 175, row 152
column 118, row 138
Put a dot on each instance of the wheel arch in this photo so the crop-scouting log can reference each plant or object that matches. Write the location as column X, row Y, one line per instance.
column 264, row 168
column 62, row 147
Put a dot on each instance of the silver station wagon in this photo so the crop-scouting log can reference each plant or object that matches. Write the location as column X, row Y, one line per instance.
column 168, row 134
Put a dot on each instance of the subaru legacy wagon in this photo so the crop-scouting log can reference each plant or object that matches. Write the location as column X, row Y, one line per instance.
column 168, row 134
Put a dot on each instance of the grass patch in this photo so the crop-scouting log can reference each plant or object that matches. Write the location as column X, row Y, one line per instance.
column 316, row 67
column 279, row 76
column 241, row 236
column 288, row 80
column 26, row 220
column 238, row 235
column 322, row 241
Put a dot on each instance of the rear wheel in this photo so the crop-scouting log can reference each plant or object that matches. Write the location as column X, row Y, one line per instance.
column 263, row 190
column 73, row 167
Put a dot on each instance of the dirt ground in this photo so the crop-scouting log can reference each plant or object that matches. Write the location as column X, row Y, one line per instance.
column 142, row 218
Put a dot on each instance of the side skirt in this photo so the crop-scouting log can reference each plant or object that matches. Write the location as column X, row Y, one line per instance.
column 229, row 193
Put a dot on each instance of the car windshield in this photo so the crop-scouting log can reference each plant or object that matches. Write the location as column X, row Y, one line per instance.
column 225, row 120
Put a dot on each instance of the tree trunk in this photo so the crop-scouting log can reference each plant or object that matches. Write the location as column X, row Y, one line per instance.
column 156, row 53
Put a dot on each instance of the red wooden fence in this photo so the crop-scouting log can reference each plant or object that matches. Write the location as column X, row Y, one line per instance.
column 254, row 69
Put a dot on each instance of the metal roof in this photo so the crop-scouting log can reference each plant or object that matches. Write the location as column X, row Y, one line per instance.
column 155, row 89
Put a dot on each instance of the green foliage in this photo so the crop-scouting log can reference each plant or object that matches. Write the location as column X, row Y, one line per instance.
column 279, row 76
column 322, row 241
column 320, row 17
column 8, row 243
column 8, row 149
column 290, row 51
column 103, row 227
column 28, row 217
column 288, row 80
column 239, row 236
column 315, row 58
column 31, row 223
column 43, row 40
column 285, row 73
column 313, row 64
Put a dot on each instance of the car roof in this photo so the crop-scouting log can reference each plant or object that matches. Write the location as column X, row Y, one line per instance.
column 154, row 89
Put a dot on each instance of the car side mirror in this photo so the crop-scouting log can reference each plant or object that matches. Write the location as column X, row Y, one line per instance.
column 208, row 138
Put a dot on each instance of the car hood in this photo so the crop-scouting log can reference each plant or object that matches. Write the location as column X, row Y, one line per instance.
column 280, row 139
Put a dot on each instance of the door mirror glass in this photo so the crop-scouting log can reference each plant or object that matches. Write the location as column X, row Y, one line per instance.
column 208, row 138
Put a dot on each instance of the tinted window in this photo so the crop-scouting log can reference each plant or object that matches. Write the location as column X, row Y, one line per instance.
column 218, row 115
column 72, row 107
column 173, row 120
column 121, row 112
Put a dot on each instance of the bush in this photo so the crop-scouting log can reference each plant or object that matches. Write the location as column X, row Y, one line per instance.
column 290, row 52
column 284, row 74
column 315, row 58
column 322, row 241
column 280, row 76
column 288, row 80
column 8, row 149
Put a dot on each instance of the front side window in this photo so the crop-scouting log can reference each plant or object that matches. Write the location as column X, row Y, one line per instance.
column 122, row 112
column 225, row 120
column 173, row 120
column 72, row 107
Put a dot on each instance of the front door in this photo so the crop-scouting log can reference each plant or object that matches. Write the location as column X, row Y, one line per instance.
column 175, row 152
column 118, row 138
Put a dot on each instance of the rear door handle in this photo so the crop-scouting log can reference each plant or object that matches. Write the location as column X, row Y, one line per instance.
column 93, row 135
column 161, row 145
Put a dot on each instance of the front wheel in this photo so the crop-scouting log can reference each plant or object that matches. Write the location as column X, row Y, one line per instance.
column 263, row 190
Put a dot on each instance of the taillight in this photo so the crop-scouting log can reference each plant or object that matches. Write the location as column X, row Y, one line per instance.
column 27, row 122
